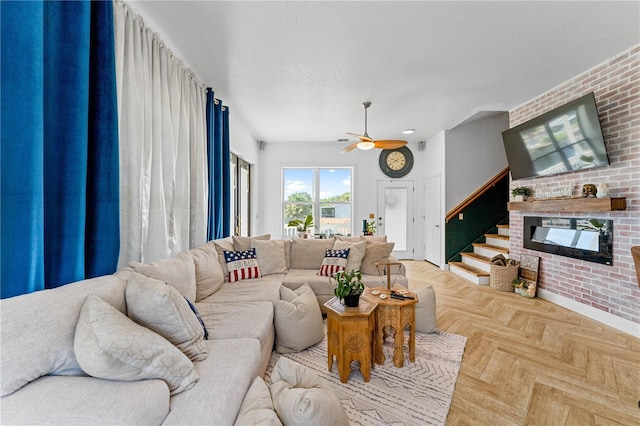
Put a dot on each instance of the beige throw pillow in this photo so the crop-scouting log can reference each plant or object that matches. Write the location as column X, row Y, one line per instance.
column 209, row 276
column 257, row 406
column 307, row 253
column 178, row 271
column 356, row 253
column 374, row 238
column 225, row 244
column 301, row 397
column 354, row 239
column 271, row 256
column 244, row 243
column 376, row 253
column 108, row 345
column 161, row 308
column 297, row 319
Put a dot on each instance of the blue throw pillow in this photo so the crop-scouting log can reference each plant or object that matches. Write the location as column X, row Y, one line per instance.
column 195, row 311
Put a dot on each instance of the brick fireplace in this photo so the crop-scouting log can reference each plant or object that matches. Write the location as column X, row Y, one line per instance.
column 608, row 293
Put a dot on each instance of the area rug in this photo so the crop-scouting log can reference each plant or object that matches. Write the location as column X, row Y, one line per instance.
column 417, row 394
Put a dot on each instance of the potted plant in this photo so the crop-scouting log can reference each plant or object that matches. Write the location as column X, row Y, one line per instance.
column 302, row 226
column 349, row 287
column 521, row 193
column 371, row 227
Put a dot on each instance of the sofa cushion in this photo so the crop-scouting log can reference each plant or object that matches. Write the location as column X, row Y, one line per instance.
column 209, row 275
column 287, row 251
column 271, row 256
column 37, row 329
column 375, row 253
column 374, row 238
column 258, row 289
column 245, row 243
column 242, row 265
column 334, row 261
column 82, row 400
column 161, row 308
column 308, row 253
column 301, row 397
column 108, row 345
column 257, row 406
column 298, row 320
column 225, row 377
column 426, row 309
column 178, row 271
column 222, row 245
column 354, row 239
column 356, row 253
column 238, row 320
column 318, row 283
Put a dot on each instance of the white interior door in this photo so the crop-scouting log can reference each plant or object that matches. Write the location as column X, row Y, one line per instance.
column 432, row 223
column 395, row 215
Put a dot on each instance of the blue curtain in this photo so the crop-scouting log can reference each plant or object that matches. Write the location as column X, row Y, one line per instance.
column 218, row 156
column 226, row 173
column 60, row 212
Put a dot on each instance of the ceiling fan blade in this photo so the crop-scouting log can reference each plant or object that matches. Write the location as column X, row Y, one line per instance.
column 390, row 144
column 363, row 137
column 349, row 148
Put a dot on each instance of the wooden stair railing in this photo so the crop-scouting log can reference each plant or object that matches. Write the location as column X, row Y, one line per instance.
column 477, row 194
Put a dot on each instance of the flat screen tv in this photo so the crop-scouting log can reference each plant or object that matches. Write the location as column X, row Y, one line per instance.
column 565, row 139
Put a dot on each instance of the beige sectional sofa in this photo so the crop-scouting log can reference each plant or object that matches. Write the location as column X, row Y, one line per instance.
column 42, row 348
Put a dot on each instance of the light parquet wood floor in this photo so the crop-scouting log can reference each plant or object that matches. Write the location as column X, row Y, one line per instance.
column 531, row 362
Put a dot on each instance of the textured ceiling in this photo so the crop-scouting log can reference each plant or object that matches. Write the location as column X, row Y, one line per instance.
column 299, row 70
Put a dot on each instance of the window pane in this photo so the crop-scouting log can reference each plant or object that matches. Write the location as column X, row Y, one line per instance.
column 395, row 213
column 335, row 219
column 335, row 185
column 298, row 185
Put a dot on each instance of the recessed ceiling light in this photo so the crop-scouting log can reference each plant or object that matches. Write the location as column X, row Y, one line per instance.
column 408, row 131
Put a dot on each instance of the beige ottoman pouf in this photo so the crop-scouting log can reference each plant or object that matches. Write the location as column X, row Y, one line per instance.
column 426, row 310
column 301, row 397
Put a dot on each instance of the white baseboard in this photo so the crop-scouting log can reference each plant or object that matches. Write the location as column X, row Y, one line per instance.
column 618, row 323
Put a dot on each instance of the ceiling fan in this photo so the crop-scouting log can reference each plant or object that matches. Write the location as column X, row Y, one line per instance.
column 366, row 142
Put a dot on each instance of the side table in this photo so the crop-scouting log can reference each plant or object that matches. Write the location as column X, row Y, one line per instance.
column 396, row 314
column 350, row 336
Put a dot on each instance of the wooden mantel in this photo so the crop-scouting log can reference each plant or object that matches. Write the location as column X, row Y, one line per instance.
column 569, row 205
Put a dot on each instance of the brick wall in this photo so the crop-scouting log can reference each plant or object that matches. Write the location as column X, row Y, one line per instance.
column 612, row 289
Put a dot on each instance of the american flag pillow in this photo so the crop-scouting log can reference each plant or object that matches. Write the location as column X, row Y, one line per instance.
column 334, row 261
column 242, row 265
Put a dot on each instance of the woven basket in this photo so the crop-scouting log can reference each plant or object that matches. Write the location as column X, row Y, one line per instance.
column 502, row 276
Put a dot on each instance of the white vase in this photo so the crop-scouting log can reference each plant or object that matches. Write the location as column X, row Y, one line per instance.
column 603, row 191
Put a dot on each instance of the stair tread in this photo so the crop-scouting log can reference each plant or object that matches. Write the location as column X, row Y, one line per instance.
column 470, row 269
column 497, row 236
column 506, row 226
column 492, row 247
column 476, row 256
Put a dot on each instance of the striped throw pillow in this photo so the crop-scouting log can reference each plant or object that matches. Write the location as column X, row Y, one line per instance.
column 242, row 265
column 334, row 261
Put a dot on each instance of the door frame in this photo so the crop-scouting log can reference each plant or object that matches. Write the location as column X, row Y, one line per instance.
column 434, row 221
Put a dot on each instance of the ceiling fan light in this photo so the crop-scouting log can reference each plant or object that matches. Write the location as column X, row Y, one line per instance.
column 365, row 145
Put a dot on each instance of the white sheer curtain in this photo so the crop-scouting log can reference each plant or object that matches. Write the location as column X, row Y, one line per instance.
column 163, row 171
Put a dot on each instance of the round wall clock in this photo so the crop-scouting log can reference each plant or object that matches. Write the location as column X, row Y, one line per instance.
column 396, row 163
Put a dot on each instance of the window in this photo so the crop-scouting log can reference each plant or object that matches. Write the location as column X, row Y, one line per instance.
column 324, row 193
column 241, row 196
